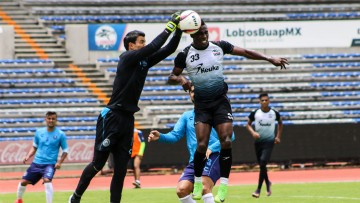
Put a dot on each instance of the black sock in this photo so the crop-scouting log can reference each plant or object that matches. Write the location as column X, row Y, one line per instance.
column 86, row 176
column 199, row 163
column 225, row 162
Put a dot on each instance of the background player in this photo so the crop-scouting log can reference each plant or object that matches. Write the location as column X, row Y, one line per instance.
column 46, row 145
column 211, row 173
column 265, row 119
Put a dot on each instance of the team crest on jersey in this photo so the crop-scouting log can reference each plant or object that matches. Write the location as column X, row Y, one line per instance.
column 143, row 64
column 216, row 52
column 106, row 142
column 55, row 137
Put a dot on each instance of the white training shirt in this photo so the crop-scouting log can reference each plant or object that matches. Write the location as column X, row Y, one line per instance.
column 265, row 123
column 205, row 68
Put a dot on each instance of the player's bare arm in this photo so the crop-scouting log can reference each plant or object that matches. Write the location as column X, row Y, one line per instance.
column 176, row 78
column 61, row 160
column 251, row 54
column 153, row 136
column 279, row 131
column 30, row 154
column 251, row 130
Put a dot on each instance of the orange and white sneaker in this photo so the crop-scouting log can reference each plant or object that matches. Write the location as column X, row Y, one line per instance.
column 18, row 201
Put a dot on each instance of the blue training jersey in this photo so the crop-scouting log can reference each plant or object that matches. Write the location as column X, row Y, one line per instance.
column 48, row 144
column 185, row 126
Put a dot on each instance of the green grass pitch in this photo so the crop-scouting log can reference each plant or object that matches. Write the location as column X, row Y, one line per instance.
column 282, row 193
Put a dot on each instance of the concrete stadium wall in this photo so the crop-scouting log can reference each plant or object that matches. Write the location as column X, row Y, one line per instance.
column 299, row 144
column 7, row 42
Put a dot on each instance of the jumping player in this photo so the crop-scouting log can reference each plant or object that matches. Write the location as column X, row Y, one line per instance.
column 115, row 125
column 203, row 62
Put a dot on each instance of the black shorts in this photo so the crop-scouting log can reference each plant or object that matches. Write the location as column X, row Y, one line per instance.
column 214, row 112
column 114, row 129
column 263, row 150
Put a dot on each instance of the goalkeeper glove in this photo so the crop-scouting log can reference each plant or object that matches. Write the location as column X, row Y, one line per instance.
column 172, row 24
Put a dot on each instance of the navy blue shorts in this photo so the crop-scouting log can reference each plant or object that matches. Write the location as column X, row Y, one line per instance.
column 37, row 171
column 211, row 169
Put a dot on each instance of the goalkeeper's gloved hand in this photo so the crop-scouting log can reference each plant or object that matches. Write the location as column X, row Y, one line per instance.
column 172, row 24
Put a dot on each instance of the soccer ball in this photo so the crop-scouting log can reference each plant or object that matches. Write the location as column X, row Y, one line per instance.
column 190, row 22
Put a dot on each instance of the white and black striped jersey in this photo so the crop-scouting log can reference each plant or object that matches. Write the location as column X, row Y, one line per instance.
column 265, row 123
column 205, row 68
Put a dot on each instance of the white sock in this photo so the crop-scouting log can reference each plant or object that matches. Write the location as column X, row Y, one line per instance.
column 198, row 179
column 187, row 199
column 20, row 191
column 137, row 181
column 49, row 192
column 224, row 181
column 208, row 198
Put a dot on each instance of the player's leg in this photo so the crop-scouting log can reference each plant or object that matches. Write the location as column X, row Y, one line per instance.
column 258, row 153
column 186, row 185
column 202, row 134
column 137, row 162
column 121, row 152
column 223, row 124
column 210, row 174
column 264, row 159
column 105, row 126
column 32, row 176
column 48, row 175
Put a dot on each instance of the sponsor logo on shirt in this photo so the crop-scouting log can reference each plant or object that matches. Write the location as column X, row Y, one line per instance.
column 206, row 70
column 264, row 124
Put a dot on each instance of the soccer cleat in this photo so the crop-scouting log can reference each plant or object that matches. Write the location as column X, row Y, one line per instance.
column 197, row 192
column 18, row 201
column 268, row 189
column 221, row 195
column 256, row 194
column 136, row 185
column 72, row 199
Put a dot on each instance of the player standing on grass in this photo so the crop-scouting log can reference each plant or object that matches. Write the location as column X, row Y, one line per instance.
column 185, row 126
column 203, row 61
column 47, row 142
column 115, row 125
column 264, row 134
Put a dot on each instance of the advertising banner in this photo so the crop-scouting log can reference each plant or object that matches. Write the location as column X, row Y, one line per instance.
column 105, row 37
column 13, row 150
column 253, row 35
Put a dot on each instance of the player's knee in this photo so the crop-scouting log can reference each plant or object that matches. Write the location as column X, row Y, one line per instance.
column 202, row 147
column 24, row 183
column 263, row 165
column 226, row 143
column 46, row 180
column 206, row 189
column 182, row 191
column 97, row 166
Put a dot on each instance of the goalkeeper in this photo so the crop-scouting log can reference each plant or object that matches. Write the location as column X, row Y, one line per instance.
column 115, row 124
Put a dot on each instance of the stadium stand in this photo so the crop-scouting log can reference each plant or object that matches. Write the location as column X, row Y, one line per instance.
column 320, row 86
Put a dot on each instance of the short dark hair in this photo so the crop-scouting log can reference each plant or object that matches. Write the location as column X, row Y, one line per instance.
column 202, row 22
column 131, row 37
column 50, row 113
column 264, row 94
